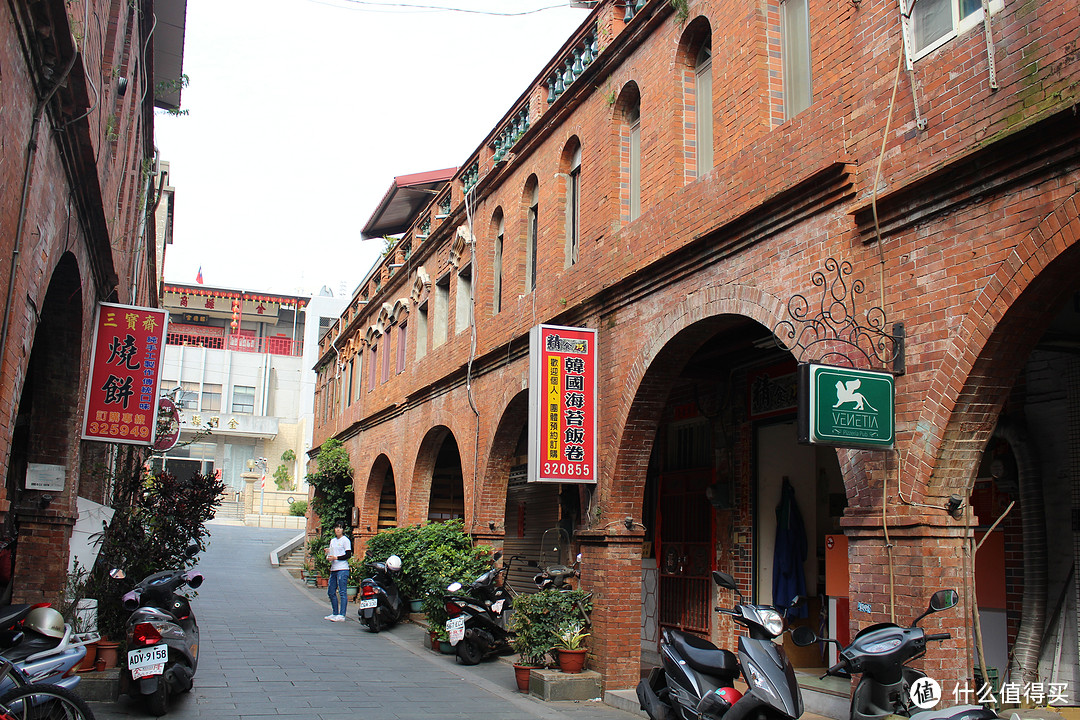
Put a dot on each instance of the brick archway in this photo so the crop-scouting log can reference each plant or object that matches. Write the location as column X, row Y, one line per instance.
column 381, row 470
column 987, row 352
column 700, row 314
column 499, row 460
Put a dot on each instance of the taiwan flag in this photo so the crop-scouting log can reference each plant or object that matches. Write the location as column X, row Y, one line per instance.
column 198, row 276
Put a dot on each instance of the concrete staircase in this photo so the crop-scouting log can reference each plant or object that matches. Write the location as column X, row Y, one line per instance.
column 230, row 510
column 294, row 561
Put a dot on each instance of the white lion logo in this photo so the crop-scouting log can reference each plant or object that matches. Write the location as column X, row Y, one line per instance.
column 847, row 393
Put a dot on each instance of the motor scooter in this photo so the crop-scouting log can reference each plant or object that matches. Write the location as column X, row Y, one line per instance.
column 478, row 617
column 41, row 647
column 162, row 636
column 381, row 605
column 880, row 653
column 696, row 680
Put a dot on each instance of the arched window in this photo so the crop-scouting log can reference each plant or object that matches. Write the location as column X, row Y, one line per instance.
column 497, row 264
column 570, row 172
column 703, row 135
column 532, row 231
column 633, row 122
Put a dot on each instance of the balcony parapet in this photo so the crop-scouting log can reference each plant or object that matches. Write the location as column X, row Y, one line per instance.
column 577, row 60
column 510, row 133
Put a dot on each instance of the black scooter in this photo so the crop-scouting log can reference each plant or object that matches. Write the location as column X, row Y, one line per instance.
column 162, row 636
column 697, row 678
column 880, row 653
column 478, row 618
column 381, row 605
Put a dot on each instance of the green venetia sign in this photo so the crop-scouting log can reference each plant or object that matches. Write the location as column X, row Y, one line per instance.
column 844, row 407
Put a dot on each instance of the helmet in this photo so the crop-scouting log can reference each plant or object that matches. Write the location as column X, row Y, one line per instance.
column 46, row 621
column 393, row 563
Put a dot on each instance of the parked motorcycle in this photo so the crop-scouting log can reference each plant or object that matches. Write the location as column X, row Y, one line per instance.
column 381, row 605
column 697, row 678
column 478, row 617
column 162, row 636
column 41, row 646
column 880, row 653
column 556, row 570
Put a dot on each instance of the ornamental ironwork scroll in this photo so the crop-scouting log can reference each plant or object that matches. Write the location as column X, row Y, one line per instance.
column 832, row 332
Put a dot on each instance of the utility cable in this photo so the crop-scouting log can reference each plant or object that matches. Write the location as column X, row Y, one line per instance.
column 393, row 7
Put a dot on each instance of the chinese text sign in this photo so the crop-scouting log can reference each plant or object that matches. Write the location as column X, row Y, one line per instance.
column 562, row 405
column 121, row 399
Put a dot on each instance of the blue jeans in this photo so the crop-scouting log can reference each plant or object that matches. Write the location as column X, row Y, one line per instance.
column 336, row 589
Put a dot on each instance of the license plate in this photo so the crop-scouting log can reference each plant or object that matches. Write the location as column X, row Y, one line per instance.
column 147, row 657
column 147, row 671
column 456, row 629
column 365, row 604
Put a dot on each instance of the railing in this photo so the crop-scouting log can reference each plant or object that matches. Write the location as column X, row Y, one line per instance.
column 470, row 177
column 632, row 6
column 575, row 64
column 510, row 133
column 238, row 343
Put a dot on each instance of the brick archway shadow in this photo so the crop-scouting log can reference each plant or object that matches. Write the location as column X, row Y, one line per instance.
column 986, row 354
column 496, row 479
column 691, row 322
column 380, row 470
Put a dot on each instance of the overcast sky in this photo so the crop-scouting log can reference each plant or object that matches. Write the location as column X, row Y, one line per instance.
column 301, row 112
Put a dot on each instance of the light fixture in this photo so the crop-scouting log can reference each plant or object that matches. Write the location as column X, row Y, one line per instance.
column 491, row 525
column 955, row 506
column 628, row 522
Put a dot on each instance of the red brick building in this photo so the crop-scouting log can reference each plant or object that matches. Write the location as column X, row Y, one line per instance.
column 695, row 181
column 79, row 185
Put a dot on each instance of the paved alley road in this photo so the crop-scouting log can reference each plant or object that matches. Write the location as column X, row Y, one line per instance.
column 266, row 651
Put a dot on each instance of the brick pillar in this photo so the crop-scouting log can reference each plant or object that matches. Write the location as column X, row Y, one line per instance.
column 611, row 571
column 928, row 554
column 42, row 557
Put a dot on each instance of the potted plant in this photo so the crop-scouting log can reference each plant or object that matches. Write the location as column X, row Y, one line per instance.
column 571, row 652
column 540, row 621
column 317, row 552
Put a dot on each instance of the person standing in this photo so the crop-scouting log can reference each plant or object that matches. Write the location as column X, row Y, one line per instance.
column 338, row 554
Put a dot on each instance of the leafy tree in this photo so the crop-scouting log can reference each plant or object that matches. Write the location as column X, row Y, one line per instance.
column 333, row 498
column 157, row 516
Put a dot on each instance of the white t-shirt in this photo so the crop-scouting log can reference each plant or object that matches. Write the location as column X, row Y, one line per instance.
column 339, row 546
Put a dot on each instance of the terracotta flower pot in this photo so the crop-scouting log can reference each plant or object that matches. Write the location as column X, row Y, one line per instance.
column 107, row 653
column 434, row 641
column 521, row 674
column 572, row 661
column 323, row 582
column 87, row 663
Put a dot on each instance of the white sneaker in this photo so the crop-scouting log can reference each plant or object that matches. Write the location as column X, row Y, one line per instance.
column 337, row 618
column 329, row 617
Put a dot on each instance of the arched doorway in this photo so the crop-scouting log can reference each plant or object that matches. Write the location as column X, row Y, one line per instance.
column 44, row 436
column 446, row 500
column 380, row 498
column 724, row 466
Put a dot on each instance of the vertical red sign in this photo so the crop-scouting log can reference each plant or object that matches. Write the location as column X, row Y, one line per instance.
column 121, row 399
column 562, row 402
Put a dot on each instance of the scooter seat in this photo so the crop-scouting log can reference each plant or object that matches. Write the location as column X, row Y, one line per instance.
column 705, row 657
column 31, row 643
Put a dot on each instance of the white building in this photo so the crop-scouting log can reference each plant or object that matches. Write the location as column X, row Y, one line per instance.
column 242, row 361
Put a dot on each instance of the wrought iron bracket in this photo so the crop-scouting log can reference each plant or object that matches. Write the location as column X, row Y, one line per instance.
column 833, row 331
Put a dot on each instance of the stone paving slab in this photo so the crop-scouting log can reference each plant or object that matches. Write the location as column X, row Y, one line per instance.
column 267, row 652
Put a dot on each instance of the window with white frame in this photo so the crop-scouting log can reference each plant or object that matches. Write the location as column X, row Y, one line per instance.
column 497, row 268
column 703, row 109
column 441, row 300
column 573, row 208
column 243, row 399
column 532, row 236
column 934, row 22
column 464, row 296
column 633, row 120
column 795, row 54
column 211, row 397
column 421, row 330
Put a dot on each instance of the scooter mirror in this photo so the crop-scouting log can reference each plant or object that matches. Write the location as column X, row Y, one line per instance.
column 453, row 587
column 803, row 636
column 724, row 580
column 117, row 574
column 192, row 549
column 497, row 556
column 943, row 600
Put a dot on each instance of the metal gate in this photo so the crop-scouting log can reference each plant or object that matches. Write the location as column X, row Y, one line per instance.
column 685, row 556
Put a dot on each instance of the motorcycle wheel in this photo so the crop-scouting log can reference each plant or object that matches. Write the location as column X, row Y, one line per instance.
column 468, row 652
column 157, row 703
column 373, row 622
